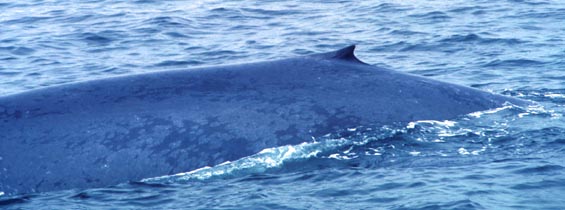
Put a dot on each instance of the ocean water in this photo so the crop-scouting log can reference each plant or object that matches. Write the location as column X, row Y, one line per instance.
column 507, row 158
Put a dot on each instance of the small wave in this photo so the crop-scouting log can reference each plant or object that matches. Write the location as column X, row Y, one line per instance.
column 465, row 9
column 25, row 20
column 9, row 73
column 435, row 15
column 145, row 1
column 18, row 50
column 176, row 35
column 474, row 38
column 389, row 7
column 96, row 39
column 514, row 63
column 77, row 19
column 540, row 169
column 401, row 46
column 23, row 51
column 269, row 13
column 168, row 21
column 405, row 32
column 176, row 63
column 529, row 2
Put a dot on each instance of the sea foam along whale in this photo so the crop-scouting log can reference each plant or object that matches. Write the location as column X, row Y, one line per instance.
column 103, row 132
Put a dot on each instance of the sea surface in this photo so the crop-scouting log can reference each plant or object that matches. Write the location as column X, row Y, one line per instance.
column 507, row 158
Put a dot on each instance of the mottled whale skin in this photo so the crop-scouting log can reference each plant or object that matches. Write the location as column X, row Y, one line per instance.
column 109, row 131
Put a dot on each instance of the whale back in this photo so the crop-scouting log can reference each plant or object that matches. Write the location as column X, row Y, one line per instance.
column 104, row 132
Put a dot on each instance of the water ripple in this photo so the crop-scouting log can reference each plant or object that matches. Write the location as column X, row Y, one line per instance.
column 474, row 38
column 513, row 63
column 540, row 169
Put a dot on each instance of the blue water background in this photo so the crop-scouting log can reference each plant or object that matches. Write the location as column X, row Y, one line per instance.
column 509, row 158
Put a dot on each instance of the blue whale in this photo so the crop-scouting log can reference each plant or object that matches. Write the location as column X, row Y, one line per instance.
column 109, row 131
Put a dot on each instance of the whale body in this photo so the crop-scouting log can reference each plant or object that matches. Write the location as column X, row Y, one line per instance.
column 109, row 131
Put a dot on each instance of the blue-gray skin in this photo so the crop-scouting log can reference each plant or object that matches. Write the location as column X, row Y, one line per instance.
column 104, row 132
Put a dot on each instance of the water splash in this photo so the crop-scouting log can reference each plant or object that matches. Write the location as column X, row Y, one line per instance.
column 258, row 163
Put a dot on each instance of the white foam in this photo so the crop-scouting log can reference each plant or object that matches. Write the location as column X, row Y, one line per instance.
column 414, row 153
column 445, row 123
column 463, row 151
column 265, row 159
column 554, row 95
column 490, row 111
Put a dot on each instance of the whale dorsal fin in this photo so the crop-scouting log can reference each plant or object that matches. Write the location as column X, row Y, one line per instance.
column 346, row 54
